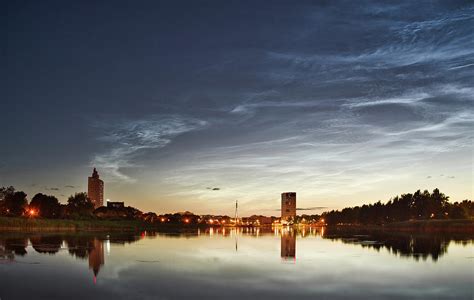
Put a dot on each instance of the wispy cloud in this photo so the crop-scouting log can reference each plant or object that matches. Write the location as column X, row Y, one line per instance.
column 127, row 139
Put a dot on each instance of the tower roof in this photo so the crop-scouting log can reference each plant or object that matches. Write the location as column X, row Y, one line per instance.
column 95, row 174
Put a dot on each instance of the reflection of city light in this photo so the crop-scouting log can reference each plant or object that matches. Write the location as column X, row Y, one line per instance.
column 107, row 247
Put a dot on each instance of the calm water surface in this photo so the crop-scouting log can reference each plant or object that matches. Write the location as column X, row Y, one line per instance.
column 230, row 264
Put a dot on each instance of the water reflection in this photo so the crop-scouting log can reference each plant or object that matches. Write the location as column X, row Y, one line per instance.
column 92, row 247
column 9, row 247
column 411, row 245
column 288, row 245
column 124, row 265
column 96, row 257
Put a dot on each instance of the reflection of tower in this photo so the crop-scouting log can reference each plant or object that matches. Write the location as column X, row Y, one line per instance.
column 96, row 256
column 288, row 206
column 236, row 232
column 288, row 245
column 95, row 189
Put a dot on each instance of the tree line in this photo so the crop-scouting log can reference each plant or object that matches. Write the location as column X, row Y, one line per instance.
column 417, row 206
column 14, row 203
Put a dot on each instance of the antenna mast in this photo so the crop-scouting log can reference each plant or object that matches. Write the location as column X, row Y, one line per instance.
column 236, row 212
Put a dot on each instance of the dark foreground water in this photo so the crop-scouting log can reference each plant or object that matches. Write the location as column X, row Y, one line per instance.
column 229, row 264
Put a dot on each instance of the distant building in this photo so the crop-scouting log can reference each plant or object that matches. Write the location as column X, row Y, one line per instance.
column 111, row 204
column 257, row 220
column 95, row 190
column 288, row 206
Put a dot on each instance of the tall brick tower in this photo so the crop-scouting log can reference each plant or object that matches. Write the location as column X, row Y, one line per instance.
column 288, row 206
column 95, row 189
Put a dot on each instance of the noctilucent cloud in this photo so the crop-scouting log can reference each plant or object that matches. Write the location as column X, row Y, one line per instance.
column 191, row 105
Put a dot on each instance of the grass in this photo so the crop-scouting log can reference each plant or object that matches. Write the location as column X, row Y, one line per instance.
column 27, row 224
column 37, row 224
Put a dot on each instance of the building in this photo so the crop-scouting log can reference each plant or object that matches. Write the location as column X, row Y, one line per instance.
column 288, row 206
column 257, row 221
column 95, row 190
column 111, row 204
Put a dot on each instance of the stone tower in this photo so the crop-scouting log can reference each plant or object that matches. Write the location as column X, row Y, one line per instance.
column 95, row 190
column 288, row 206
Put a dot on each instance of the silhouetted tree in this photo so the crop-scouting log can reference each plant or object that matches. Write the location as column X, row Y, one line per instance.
column 47, row 206
column 417, row 206
column 456, row 212
column 79, row 205
column 4, row 193
column 14, row 202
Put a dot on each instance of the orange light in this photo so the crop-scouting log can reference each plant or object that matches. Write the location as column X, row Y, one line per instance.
column 32, row 212
column 186, row 220
column 211, row 221
column 162, row 219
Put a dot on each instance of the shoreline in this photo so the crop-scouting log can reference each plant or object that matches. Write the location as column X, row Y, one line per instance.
column 418, row 226
column 49, row 225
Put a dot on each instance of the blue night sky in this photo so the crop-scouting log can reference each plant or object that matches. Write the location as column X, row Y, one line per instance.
column 191, row 105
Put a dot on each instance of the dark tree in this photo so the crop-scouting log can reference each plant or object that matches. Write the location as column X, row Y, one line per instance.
column 4, row 193
column 456, row 212
column 79, row 205
column 14, row 203
column 47, row 206
column 417, row 206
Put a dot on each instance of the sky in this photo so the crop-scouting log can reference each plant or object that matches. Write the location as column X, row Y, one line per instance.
column 192, row 105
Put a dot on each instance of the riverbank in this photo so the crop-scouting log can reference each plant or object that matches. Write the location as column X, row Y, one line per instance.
column 25, row 224
column 434, row 226
column 421, row 226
